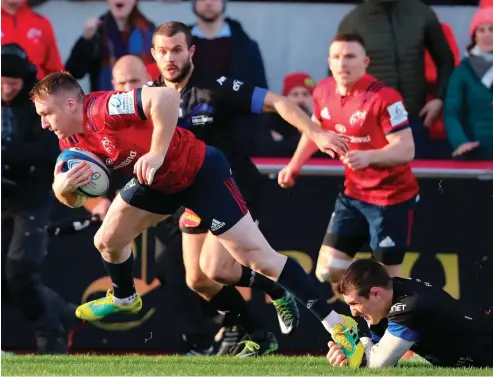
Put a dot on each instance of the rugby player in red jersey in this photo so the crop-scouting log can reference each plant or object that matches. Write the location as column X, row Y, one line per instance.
column 136, row 131
column 380, row 189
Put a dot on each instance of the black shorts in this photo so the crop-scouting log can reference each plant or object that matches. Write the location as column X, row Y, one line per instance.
column 191, row 223
column 388, row 228
column 213, row 195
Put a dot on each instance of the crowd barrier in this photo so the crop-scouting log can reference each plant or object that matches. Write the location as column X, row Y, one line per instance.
column 452, row 244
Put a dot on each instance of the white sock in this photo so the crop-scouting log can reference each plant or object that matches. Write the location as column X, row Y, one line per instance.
column 331, row 320
column 125, row 301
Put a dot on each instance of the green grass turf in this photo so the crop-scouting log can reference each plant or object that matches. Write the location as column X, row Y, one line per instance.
column 135, row 365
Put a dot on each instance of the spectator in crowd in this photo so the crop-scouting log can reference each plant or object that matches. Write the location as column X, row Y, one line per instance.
column 275, row 137
column 33, row 33
column 438, row 136
column 235, row 53
column 28, row 158
column 396, row 34
column 120, row 31
column 468, row 104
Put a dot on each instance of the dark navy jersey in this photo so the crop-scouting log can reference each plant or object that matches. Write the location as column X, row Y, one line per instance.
column 209, row 108
column 444, row 330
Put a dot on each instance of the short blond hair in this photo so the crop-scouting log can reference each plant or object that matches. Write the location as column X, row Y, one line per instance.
column 55, row 83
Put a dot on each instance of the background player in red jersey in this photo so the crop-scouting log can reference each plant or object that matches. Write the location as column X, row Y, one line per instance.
column 136, row 131
column 380, row 190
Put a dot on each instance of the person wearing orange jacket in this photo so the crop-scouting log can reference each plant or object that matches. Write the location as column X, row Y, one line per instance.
column 436, row 130
column 33, row 33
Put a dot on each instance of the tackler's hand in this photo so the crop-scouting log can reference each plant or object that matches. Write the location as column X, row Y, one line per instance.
column 331, row 143
column 147, row 166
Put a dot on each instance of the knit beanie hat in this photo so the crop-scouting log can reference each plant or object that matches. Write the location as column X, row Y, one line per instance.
column 15, row 62
column 482, row 15
column 296, row 79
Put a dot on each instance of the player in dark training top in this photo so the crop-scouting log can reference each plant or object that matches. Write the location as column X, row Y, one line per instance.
column 136, row 132
column 209, row 107
column 410, row 314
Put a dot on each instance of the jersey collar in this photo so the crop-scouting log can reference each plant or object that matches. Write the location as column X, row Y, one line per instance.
column 191, row 81
column 360, row 86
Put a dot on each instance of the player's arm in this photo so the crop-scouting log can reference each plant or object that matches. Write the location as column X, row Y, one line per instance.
column 394, row 122
column 399, row 336
column 291, row 113
column 387, row 352
column 161, row 104
column 306, row 148
column 257, row 100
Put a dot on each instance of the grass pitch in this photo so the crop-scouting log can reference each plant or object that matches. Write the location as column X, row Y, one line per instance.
column 136, row 365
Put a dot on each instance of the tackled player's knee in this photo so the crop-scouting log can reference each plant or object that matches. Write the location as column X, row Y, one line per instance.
column 107, row 245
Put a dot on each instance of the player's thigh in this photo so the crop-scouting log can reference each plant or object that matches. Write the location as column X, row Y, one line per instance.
column 390, row 230
column 127, row 217
column 347, row 231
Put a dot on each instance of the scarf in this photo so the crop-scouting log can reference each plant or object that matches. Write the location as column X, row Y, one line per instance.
column 113, row 47
column 482, row 64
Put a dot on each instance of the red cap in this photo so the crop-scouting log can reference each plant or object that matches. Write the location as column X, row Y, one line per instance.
column 296, row 79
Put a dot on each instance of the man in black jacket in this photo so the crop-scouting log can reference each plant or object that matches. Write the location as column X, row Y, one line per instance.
column 28, row 157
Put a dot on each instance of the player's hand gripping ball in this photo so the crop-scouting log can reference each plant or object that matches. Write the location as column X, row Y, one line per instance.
column 81, row 171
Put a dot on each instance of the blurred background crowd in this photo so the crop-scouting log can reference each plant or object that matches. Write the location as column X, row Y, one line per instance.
column 447, row 91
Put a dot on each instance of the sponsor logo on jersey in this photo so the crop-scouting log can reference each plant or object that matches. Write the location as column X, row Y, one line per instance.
column 121, row 104
column 194, row 116
column 363, row 139
column 221, row 80
column 340, row 128
column 398, row 307
column 127, row 161
column 397, row 113
column 358, row 118
column 201, row 119
column 108, row 145
column 236, row 85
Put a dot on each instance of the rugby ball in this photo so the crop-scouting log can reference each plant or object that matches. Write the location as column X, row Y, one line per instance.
column 100, row 179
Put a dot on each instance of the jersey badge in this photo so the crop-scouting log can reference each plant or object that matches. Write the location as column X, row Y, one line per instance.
column 121, row 104
column 397, row 113
column 358, row 118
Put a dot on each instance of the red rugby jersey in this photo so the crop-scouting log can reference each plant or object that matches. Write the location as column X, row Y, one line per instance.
column 367, row 114
column 117, row 131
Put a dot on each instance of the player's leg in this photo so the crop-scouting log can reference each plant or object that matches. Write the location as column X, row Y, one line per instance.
column 216, row 199
column 219, row 265
column 346, row 234
column 390, row 232
column 122, row 224
column 221, row 298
